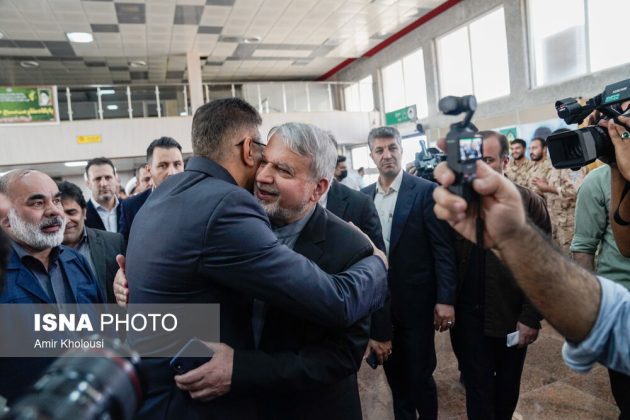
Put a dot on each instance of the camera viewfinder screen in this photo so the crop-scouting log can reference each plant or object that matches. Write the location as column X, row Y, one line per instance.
column 469, row 149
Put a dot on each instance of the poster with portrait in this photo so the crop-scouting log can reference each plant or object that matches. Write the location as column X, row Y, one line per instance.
column 28, row 105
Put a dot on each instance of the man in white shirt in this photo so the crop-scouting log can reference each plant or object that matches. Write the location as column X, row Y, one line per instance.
column 103, row 211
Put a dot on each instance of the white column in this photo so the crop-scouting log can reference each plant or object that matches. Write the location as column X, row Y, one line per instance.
column 194, row 80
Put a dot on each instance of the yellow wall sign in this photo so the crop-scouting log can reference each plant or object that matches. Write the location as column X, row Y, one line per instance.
column 89, row 139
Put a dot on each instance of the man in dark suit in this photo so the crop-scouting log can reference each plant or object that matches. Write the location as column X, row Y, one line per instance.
column 490, row 306
column 358, row 208
column 422, row 275
column 164, row 158
column 97, row 246
column 302, row 370
column 103, row 208
column 214, row 245
column 40, row 270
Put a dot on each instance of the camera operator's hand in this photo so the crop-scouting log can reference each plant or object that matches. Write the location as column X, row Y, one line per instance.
column 620, row 137
column 501, row 206
column 212, row 379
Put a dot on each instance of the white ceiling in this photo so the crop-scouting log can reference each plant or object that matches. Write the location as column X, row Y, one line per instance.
column 299, row 39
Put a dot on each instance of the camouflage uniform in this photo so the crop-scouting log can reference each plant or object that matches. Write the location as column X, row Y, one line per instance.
column 519, row 174
column 562, row 205
column 541, row 169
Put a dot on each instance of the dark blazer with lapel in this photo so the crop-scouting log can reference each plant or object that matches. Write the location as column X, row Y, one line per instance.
column 93, row 220
column 104, row 246
column 357, row 207
column 200, row 238
column 21, row 286
column 303, row 370
column 422, row 268
column 129, row 209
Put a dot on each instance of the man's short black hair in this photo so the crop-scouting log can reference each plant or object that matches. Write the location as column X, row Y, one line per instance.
column 218, row 119
column 541, row 140
column 97, row 162
column 70, row 191
column 137, row 171
column 162, row 143
column 519, row 141
column 340, row 158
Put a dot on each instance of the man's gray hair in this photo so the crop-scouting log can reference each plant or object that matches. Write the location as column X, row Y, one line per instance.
column 7, row 179
column 384, row 132
column 310, row 141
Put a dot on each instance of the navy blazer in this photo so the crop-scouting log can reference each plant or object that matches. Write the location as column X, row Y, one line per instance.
column 21, row 286
column 200, row 238
column 93, row 220
column 129, row 209
column 422, row 268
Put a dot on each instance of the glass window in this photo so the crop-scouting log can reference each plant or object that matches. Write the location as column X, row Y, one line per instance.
column 603, row 31
column 558, row 45
column 578, row 43
column 361, row 158
column 351, row 95
column 359, row 96
column 404, row 84
column 474, row 59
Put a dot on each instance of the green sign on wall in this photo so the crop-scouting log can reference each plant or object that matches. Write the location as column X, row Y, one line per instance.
column 511, row 133
column 27, row 105
column 403, row 115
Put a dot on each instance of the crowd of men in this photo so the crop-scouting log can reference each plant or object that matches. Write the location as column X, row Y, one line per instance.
column 258, row 225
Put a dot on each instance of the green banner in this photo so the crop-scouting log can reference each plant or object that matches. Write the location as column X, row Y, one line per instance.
column 402, row 115
column 511, row 133
column 20, row 105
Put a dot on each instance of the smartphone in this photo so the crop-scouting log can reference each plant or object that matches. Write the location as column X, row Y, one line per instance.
column 372, row 360
column 194, row 354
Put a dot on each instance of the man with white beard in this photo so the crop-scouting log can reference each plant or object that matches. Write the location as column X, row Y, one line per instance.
column 40, row 269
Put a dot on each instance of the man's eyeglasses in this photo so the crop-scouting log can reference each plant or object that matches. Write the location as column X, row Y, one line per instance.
column 239, row 144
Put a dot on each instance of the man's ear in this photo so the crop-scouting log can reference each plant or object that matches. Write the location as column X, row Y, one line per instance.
column 320, row 189
column 248, row 153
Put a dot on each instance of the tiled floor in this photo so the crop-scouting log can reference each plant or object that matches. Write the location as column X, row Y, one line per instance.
column 549, row 390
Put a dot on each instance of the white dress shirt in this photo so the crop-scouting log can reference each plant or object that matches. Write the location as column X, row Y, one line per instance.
column 385, row 203
column 109, row 217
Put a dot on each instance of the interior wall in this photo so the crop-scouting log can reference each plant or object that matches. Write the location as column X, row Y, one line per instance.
column 523, row 105
column 121, row 138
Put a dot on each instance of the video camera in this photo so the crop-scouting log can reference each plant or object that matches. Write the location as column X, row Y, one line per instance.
column 577, row 148
column 427, row 158
column 80, row 387
column 463, row 144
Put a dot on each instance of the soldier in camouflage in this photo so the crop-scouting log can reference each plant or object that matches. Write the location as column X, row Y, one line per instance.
column 519, row 168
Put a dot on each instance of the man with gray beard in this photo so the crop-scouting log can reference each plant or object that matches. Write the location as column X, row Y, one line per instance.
column 40, row 269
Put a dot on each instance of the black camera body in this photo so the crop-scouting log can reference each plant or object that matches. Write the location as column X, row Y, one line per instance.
column 577, row 148
column 463, row 144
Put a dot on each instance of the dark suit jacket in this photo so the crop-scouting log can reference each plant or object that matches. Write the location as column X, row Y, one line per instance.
column 200, row 238
column 104, row 246
column 495, row 297
column 303, row 370
column 422, row 269
column 356, row 207
column 21, row 286
column 129, row 209
column 93, row 220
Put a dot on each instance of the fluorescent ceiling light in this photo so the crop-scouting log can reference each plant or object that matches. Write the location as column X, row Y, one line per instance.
column 112, row 107
column 76, row 163
column 137, row 63
column 80, row 37
column 29, row 64
column 183, row 113
column 252, row 40
column 107, row 91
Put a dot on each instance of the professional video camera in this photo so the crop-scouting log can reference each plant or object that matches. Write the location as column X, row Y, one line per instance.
column 76, row 386
column 580, row 147
column 463, row 144
column 427, row 158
